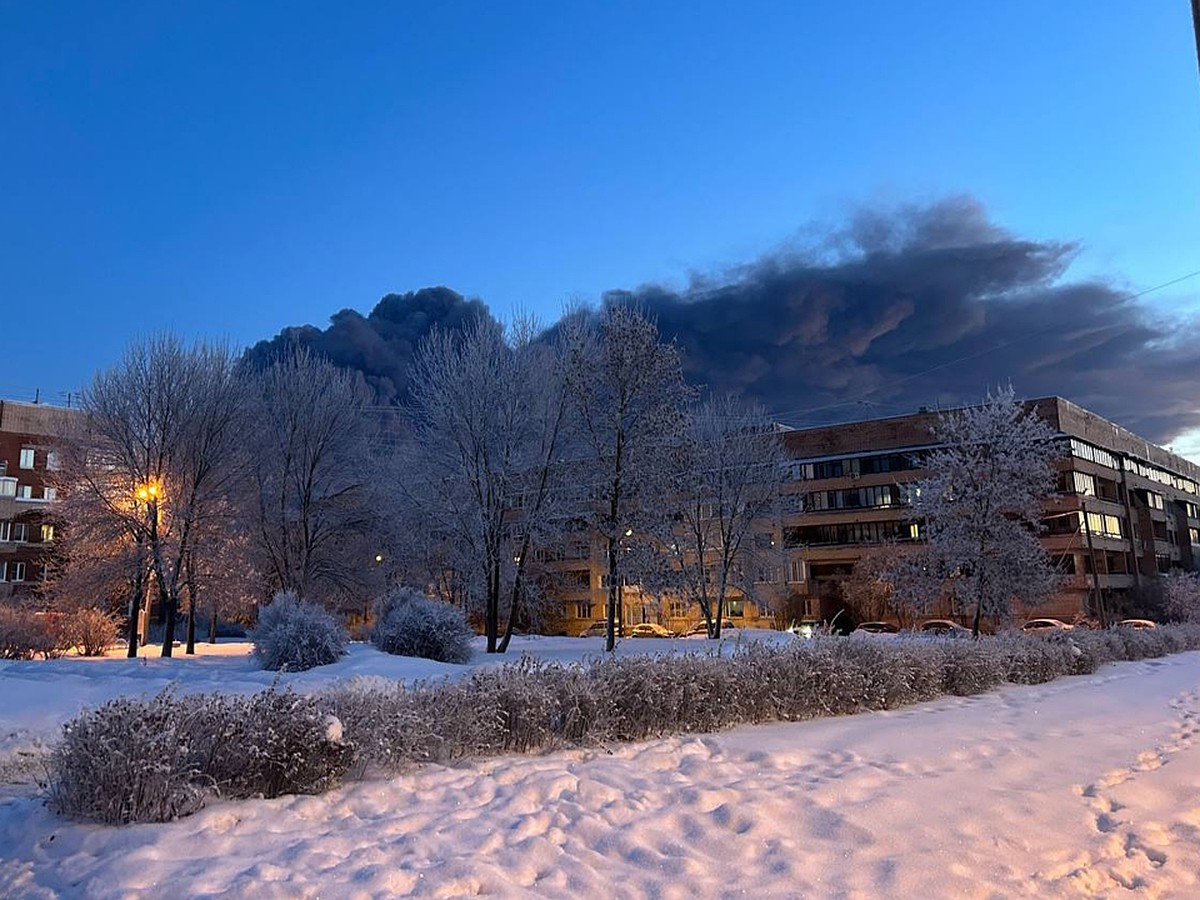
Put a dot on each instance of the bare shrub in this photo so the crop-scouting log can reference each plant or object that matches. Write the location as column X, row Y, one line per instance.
column 25, row 634
column 154, row 760
column 407, row 623
column 90, row 631
column 292, row 635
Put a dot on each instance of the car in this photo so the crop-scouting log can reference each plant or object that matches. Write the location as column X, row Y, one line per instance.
column 801, row 629
column 650, row 630
column 944, row 628
column 1044, row 626
column 878, row 628
column 1137, row 624
column 599, row 629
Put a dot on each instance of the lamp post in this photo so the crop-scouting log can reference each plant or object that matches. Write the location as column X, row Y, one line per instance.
column 149, row 494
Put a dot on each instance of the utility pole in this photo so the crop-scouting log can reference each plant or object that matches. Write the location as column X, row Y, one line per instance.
column 1196, row 27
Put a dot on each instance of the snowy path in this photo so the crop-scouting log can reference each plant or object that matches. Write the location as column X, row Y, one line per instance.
column 1084, row 787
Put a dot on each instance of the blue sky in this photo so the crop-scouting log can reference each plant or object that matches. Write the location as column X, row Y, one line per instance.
column 226, row 169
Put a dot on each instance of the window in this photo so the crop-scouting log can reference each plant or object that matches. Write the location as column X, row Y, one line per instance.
column 735, row 609
column 678, row 609
column 1084, row 484
column 26, row 458
column 25, row 492
column 49, row 493
column 796, row 570
column 20, row 531
column 583, row 610
column 52, row 461
column 8, row 487
column 47, row 532
column 5, row 531
column 3, row 570
column 1194, row 535
column 18, row 571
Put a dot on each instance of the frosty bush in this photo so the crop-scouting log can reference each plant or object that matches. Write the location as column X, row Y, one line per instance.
column 292, row 635
column 139, row 760
column 91, row 631
column 24, row 634
column 407, row 623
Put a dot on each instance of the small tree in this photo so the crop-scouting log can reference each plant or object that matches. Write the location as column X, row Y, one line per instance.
column 982, row 504
column 478, row 475
column 1180, row 596
column 313, row 503
column 726, row 497
column 627, row 387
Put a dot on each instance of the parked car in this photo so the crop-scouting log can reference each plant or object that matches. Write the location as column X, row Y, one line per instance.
column 1138, row 624
column 1044, row 626
column 944, row 628
column 699, row 632
column 650, row 630
column 599, row 629
column 878, row 628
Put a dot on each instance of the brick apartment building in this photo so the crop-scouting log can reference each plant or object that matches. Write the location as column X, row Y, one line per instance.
column 1125, row 510
column 28, row 432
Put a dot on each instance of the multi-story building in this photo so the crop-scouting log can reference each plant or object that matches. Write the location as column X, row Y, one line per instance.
column 1125, row 510
column 28, row 432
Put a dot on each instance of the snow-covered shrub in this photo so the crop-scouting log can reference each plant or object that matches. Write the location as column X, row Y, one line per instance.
column 130, row 760
column 407, row 623
column 25, row 634
column 970, row 667
column 91, row 631
column 271, row 743
column 154, row 760
column 292, row 635
column 1034, row 659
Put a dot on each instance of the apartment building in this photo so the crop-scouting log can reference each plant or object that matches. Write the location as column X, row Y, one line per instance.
column 28, row 432
column 1124, row 510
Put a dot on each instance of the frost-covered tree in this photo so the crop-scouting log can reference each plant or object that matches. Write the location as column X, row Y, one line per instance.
column 488, row 411
column 158, row 458
column 1180, row 592
column 627, row 388
column 725, row 504
column 313, row 507
column 982, row 504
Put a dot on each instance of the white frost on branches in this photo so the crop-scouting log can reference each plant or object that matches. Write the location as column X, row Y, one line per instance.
column 982, row 504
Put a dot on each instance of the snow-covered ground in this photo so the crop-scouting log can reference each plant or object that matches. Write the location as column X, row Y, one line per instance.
column 1088, row 786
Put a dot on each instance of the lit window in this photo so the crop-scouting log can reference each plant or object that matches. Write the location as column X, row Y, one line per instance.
column 26, row 458
column 735, row 609
column 47, row 532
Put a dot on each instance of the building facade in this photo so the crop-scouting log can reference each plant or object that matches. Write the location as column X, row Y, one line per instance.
column 28, row 434
column 1124, row 511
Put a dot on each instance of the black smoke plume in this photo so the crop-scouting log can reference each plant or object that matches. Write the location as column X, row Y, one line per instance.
column 380, row 345
column 917, row 306
column 929, row 306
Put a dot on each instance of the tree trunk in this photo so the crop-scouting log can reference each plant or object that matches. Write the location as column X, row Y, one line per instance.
column 212, row 626
column 135, row 606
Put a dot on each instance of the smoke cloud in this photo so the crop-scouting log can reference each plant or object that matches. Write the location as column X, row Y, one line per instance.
column 380, row 345
column 928, row 306
column 917, row 306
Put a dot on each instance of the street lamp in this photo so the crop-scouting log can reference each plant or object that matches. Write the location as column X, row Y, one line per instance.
column 149, row 494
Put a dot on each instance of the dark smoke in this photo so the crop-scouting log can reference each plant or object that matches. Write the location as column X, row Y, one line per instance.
column 921, row 306
column 380, row 345
column 929, row 306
